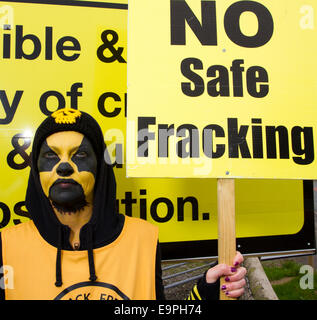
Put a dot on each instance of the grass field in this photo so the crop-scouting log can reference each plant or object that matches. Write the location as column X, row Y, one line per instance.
column 292, row 281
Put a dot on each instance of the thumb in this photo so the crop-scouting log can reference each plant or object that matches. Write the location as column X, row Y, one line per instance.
column 213, row 274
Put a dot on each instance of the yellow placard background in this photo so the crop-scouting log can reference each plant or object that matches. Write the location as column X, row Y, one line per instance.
column 155, row 78
column 184, row 209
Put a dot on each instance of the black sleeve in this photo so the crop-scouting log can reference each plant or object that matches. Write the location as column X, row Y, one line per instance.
column 2, row 296
column 208, row 291
column 203, row 290
column 159, row 288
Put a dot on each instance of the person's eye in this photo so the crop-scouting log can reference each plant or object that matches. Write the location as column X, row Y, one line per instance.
column 81, row 154
column 50, row 155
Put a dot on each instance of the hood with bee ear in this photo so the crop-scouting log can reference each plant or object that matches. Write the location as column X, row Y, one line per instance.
column 105, row 224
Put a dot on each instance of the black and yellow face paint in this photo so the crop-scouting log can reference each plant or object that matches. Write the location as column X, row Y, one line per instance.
column 67, row 167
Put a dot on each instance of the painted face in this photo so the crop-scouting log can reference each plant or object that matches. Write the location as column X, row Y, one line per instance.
column 67, row 167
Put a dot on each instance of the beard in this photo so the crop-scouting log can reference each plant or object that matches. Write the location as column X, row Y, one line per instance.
column 67, row 196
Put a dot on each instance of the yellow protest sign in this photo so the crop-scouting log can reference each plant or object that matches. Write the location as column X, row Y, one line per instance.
column 76, row 55
column 71, row 55
column 223, row 89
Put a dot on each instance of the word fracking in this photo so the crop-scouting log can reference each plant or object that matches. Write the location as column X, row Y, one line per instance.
column 245, row 141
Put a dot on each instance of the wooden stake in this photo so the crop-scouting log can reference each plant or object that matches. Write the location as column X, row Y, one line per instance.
column 226, row 226
column 311, row 261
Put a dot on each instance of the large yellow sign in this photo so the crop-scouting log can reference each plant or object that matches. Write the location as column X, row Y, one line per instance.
column 222, row 89
column 76, row 56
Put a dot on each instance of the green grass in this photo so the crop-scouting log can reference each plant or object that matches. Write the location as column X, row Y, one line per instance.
column 290, row 290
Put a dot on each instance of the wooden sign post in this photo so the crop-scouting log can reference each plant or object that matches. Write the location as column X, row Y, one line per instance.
column 226, row 225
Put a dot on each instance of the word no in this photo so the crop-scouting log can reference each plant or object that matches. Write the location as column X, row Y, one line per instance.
column 206, row 31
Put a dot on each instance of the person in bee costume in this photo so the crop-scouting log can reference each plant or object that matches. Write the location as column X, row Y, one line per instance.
column 76, row 245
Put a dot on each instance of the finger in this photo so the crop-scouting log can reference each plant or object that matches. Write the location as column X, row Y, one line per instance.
column 213, row 274
column 238, row 275
column 233, row 285
column 238, row 259
column 235, row 293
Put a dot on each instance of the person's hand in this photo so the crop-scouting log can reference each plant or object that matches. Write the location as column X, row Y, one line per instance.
column 234, row 276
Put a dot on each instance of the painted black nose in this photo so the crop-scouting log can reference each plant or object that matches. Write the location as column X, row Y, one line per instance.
column 64, row 169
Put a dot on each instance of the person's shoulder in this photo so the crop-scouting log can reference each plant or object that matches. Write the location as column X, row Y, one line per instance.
column 21, row 227
column 141, row 223
column 140, row 232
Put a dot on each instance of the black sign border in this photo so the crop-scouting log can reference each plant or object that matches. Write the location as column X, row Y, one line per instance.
column 76, row 3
